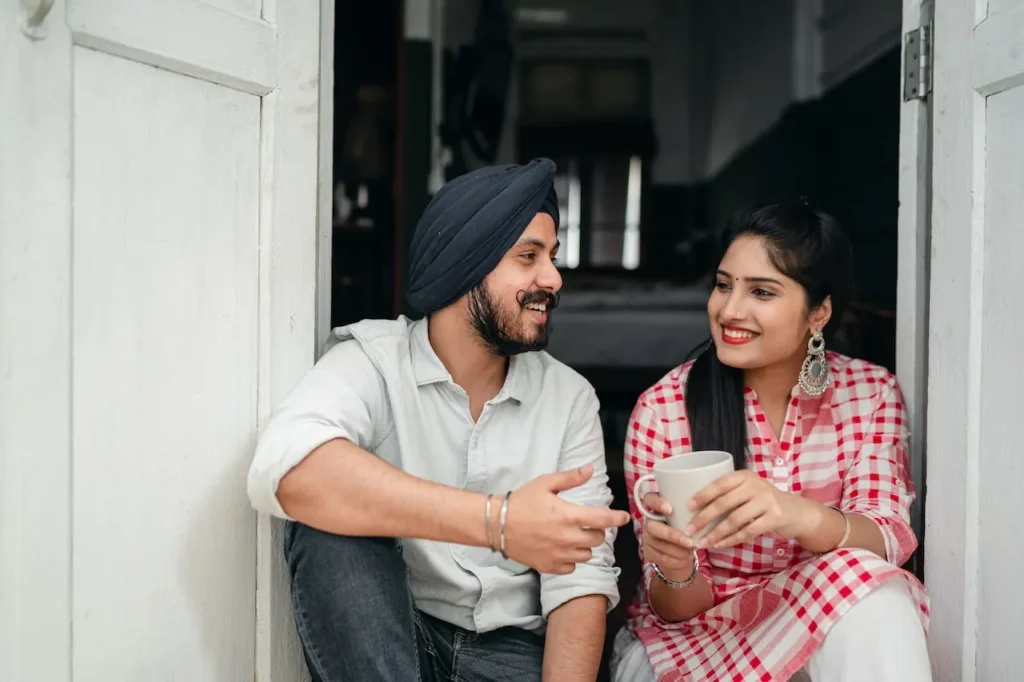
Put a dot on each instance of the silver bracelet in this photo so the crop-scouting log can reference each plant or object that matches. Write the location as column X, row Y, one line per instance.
column 487, row 520
column 501, row 523
column 672, row 583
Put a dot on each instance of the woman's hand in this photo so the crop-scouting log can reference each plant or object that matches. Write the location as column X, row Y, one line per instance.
column 664, row 545
column 751, row 505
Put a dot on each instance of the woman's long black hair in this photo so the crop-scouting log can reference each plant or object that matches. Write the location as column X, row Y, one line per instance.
column 809, row 247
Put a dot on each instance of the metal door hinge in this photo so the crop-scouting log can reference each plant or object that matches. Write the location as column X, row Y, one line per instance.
column 917, row 63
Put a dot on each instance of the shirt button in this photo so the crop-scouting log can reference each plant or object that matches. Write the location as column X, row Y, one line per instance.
column 780, row 552
column 779, row 461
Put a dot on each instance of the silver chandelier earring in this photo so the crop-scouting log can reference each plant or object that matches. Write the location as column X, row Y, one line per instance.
column 815, row 375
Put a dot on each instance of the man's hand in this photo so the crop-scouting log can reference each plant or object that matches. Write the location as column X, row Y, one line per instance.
column 549, row 534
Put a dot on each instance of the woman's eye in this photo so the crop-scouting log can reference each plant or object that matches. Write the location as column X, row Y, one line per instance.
column 722, row 286
column 763, row 293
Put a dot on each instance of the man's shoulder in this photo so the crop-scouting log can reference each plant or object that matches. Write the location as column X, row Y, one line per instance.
column 372, row 330
column 362, row 347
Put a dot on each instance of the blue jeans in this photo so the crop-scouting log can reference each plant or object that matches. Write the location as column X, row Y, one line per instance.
column 357, row 621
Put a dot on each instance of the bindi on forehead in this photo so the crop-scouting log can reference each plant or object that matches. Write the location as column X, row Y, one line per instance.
column 759, row 279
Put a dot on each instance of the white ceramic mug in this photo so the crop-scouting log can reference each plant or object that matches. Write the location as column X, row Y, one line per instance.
column 679, row 478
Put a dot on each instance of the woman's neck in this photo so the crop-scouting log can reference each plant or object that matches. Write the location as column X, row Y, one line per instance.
column 774, row 383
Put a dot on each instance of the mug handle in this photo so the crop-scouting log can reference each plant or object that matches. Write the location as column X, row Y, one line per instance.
column 638, row 498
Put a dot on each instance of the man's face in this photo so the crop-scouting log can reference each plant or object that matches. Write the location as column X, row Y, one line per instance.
column 510, row 310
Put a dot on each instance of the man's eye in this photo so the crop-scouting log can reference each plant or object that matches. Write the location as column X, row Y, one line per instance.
column 528, row 256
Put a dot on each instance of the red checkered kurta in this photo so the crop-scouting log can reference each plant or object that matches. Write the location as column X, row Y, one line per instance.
column 774, row 601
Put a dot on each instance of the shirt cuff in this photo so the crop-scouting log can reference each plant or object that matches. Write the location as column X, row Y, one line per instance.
column 899, row 539
column 587, row 579
column 279, row 453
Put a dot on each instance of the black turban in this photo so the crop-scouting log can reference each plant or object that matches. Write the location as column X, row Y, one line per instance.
column 470, row 224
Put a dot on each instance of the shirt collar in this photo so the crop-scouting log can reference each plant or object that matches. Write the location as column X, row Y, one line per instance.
column 427, row 368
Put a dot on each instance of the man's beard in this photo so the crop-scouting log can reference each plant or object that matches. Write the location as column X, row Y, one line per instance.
column 502, row 331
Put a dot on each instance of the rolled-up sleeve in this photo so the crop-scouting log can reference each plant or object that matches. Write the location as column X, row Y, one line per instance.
column 584, row 444
column 878, row 484
column 335, row 399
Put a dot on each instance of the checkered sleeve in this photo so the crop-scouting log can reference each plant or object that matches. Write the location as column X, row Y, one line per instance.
column 646, row 443
column 878, row 484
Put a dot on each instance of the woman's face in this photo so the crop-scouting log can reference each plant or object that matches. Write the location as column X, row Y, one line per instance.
column 758, row 316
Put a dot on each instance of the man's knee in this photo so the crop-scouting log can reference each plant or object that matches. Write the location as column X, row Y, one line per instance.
column 307, row 549
column 351, row 602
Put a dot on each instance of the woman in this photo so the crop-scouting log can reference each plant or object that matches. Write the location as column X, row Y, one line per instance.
column 802, row 576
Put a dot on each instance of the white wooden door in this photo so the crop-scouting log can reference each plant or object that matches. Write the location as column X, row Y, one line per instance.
column 974, row 513
column 158, row 261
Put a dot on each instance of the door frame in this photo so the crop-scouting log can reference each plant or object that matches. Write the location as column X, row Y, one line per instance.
column 913, row 265
column 278, row 652
column 279, row 656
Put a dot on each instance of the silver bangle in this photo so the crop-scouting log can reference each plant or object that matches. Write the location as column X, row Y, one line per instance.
column 672, row 583
column 501, row 523
column 487, row 520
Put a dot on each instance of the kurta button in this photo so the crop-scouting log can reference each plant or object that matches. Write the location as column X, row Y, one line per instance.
column 780, row 551
column 779, row 461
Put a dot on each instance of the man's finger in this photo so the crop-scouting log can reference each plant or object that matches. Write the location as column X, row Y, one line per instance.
column 592, row 517
column 567, row 480
column 588, row 537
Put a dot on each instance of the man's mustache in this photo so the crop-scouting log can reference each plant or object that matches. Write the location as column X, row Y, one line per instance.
column 549, row 300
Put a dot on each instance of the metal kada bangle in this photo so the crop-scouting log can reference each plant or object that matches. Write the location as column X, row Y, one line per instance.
column 487, row 521
column 672, row 583
column 501, row 523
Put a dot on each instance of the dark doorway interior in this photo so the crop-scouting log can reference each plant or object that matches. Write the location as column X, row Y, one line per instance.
column 368, row 47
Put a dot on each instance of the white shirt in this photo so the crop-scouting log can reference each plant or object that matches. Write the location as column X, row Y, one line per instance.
column 382, row 387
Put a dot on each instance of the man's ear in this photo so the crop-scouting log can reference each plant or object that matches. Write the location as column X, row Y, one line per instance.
column 821, row 315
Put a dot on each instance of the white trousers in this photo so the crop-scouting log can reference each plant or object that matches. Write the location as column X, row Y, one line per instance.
column 880, row 639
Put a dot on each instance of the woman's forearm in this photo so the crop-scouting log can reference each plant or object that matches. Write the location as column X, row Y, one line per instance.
column 824, row 529
column 676, row 605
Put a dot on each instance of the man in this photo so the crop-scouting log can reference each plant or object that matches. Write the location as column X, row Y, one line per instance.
column 447, row 479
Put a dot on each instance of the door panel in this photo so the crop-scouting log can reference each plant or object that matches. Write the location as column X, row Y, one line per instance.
column 1001, row 464
column 165, row 301
column 196, row 38
column 158, row 255
column 974, row 363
